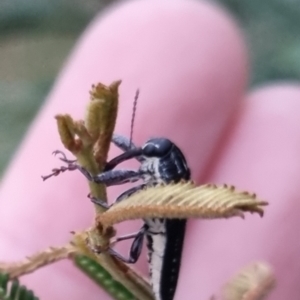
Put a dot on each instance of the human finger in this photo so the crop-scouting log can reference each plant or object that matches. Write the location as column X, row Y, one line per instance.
column 191, row 79
column 260, row 156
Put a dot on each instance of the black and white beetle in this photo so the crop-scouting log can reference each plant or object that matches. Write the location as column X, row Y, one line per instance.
column 161, row 162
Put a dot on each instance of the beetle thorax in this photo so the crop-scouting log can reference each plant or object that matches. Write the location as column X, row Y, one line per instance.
column 150, row 168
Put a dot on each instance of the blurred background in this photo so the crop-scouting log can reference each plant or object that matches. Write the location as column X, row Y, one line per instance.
column 36, row 36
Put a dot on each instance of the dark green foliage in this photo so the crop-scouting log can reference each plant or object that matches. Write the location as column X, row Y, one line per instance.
column 272, row 32
column 103, row 278
column 12, row 290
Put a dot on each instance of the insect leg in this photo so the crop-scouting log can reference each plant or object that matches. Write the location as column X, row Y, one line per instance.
column 123, row 196
column 99, row 202
column 125, row 237
column 129, row 192
column 131, row 153
column 135, row 249
column 113, row 177
column 57, row 171
column 122, row 142
column 63, row 157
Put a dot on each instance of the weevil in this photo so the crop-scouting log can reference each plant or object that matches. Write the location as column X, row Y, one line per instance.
column 161, row 161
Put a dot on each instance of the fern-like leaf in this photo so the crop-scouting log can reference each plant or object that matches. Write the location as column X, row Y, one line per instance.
column 103, row 278
column 253, row 282
column 183, row 200
column 12, row 290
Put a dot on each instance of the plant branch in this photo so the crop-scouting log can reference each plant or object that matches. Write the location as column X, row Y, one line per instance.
column 36, row 261
column 89, row 142
column 253, row 282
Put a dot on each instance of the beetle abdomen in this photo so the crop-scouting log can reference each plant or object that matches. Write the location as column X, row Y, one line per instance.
column 165, row 242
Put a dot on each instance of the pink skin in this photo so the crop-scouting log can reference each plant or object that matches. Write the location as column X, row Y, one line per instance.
column 188, row 59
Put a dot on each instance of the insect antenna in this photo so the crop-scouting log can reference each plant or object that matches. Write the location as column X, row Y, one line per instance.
column 133, row 114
